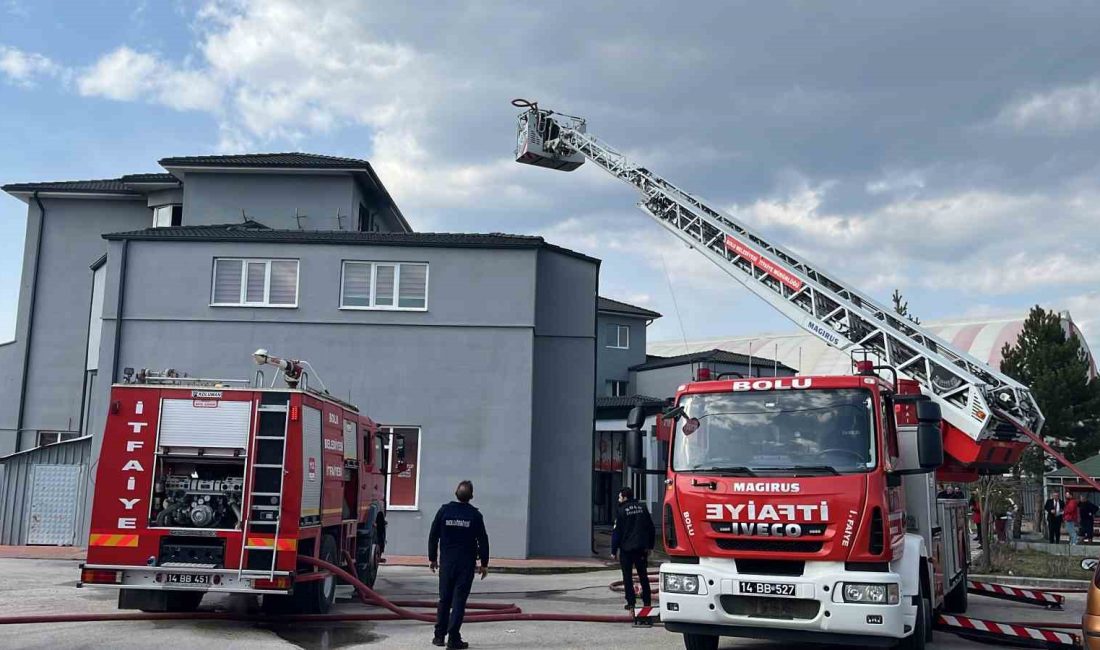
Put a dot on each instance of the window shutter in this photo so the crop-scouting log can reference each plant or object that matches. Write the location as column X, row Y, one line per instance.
column 383, row 285
column 284, row 282
column 257, row 276
column 413, row 291
column 356, row 285
column 227, row 281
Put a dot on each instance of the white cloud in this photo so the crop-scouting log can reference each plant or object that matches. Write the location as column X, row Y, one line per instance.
column 127, row 75
column 23, row 68
column 1064, row 109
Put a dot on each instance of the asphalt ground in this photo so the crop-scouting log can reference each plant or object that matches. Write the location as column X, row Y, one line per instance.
column 48, row 586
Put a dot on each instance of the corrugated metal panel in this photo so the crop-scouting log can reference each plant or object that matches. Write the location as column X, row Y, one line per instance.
column 311, row 461
column 219, row 424
column 15, row 486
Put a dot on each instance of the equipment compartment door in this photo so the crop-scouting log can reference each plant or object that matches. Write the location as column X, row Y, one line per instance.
column 55, row 494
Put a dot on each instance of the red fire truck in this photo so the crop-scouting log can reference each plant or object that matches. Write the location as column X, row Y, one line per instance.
column 804, row 508
column 208, row 485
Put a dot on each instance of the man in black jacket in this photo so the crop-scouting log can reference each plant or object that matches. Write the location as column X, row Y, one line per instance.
column 1055, row 507
column 632, row 540
column 458, row 531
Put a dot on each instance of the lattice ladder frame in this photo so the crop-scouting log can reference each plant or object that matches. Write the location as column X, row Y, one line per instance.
column 838, row 314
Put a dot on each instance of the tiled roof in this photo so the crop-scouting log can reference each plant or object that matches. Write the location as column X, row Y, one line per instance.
column 108, row 185
column 627, row 402
column 711, row 356
column 288, row 159
column 149, row 178
column 615, row 306
column 252, row 231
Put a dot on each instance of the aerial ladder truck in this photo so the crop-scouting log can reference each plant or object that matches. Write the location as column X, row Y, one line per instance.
column 805, row 508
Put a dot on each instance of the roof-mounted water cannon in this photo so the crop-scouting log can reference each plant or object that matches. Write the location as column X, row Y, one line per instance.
column 294, row 370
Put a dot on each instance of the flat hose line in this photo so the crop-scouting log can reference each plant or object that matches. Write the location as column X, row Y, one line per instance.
column 492, row 612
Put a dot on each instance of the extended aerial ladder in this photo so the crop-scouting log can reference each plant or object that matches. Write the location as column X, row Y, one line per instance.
column 989, row 417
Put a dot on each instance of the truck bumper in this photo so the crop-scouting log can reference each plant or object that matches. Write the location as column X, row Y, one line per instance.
column 815, row 613
column 157, row 578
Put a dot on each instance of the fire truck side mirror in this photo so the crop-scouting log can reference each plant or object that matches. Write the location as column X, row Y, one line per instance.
column 635, row 420
column 929, row 435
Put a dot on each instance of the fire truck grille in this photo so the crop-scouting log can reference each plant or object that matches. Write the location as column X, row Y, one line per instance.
column 767, row 545
column 777, row 608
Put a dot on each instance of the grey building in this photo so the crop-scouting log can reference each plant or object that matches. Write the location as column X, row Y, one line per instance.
column 479, row 349
column 622, row 332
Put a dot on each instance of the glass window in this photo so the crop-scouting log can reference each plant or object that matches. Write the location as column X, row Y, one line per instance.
column 384, row 285
column 820, row 430
column 167, row 215
column 616, row 388
column 255, row 283
column 617, row 336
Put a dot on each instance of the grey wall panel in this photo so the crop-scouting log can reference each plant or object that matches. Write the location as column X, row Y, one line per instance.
column 16, row 485
column 71, row 242
column 614, row 363
column 271, row 199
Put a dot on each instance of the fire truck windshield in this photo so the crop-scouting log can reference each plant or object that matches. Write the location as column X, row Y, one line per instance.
column 817, row 430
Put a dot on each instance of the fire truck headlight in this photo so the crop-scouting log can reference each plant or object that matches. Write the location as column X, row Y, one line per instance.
column 881, row 594
column 677, row 583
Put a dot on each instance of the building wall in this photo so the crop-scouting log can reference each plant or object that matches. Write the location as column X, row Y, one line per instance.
column 385, row 219
column 271, row 199
column 464, row 371
column 564, row 371
column 71, row 242
column 613, row 363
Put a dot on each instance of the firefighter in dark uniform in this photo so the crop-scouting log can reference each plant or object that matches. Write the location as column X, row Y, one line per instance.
column 458, row 533
column 632, row 540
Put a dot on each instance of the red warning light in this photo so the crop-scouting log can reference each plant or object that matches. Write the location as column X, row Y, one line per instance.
column 293, row 413
column 865, row 367
column 703, row 374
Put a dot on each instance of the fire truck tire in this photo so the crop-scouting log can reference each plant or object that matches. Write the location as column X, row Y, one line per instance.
column 366, row 569
column 700, row 642
column 318, row 596
column 955, row 602
column 919, row 638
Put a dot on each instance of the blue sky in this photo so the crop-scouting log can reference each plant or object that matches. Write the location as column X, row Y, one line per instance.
column 946, row 149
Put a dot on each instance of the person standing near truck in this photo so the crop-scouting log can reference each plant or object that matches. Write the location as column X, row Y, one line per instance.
column 458, row 536
column 632, row 540
column 1087, row 510
column 1071, row 518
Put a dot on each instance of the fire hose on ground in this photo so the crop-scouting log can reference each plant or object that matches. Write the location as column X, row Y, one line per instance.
column 397, row 610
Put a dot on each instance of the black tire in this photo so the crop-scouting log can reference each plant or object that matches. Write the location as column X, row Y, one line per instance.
column 317, row 597
column 369, row 558
column 956, row 600
column 700, row 642
column 919, row 638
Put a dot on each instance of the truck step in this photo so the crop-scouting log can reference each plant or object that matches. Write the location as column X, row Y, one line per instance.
column 1031, row 636
column 188, row 565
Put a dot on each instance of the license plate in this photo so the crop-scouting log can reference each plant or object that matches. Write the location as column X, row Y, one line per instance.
column 767, row 588
column 186, row 579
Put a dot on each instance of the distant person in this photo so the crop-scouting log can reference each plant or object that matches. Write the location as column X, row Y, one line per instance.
column 1054, row 507
column 976, row 518
column 944, row 493
column 1071, row 517
column 631, row 540
column 1087, row 510
column 458, row 535
column 957, row 492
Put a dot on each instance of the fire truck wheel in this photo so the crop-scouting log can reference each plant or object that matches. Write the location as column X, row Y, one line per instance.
column 955, row 602
column 371, row 554
column 919, row 638
column 317, row 597
column 700, row 642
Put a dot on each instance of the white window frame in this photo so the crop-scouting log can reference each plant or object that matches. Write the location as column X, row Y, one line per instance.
column 170, row 208
column 387, row 449
column 266, row 261
column 396, row 285
column 619, row 329
column 612, row 384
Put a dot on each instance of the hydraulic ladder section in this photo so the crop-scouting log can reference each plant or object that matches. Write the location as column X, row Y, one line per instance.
column 260, row 550
column 974, row 397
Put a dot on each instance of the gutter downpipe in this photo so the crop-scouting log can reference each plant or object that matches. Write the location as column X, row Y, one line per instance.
column 30, row 320
column 595, row 392
column 118, row 309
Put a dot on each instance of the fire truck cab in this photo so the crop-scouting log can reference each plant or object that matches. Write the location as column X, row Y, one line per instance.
column 207, row 486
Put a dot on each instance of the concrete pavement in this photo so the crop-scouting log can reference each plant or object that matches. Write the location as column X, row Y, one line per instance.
column 41, row 586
